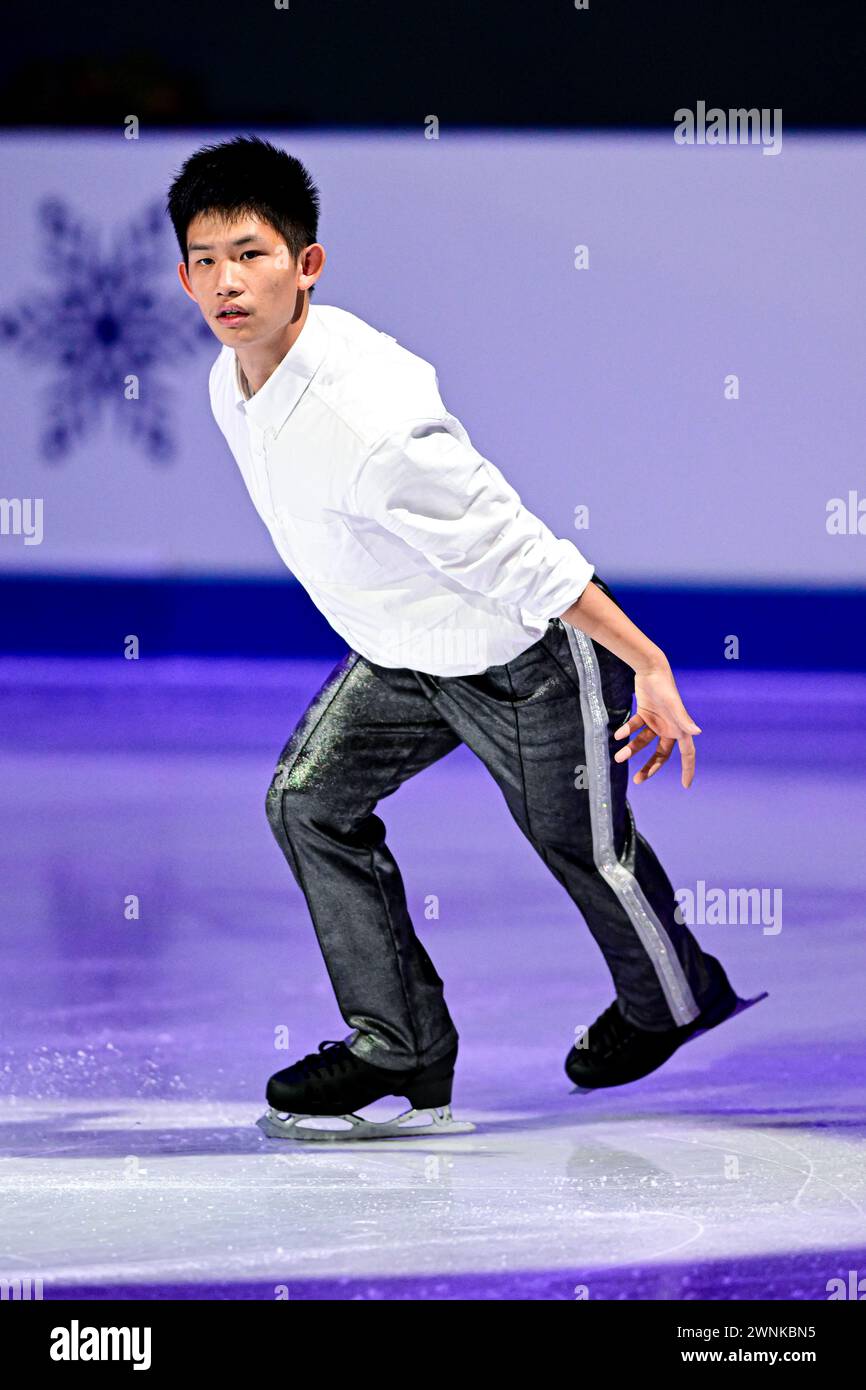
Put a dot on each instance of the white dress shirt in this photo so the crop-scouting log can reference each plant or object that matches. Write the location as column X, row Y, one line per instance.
column 414, row 547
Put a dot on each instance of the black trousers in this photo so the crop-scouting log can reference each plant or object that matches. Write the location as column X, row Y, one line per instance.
column 543, row 725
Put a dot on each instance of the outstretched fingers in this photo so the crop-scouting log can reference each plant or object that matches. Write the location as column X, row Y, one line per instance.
column 660, row 756
column 687, row 758
column 623, row 754
column 631, row 726
column 645, row 733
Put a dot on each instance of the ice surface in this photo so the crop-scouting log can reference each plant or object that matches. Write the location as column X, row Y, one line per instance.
column 134, row 1053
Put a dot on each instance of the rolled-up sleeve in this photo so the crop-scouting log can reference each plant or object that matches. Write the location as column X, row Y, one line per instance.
column 428, row 484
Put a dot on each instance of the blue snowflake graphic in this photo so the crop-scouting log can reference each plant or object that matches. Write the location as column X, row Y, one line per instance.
column 108, row 318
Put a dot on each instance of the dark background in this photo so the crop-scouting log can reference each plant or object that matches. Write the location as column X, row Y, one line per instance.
column 389, row 63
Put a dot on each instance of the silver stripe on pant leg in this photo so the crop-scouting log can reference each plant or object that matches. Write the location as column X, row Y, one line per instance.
column 653, row 936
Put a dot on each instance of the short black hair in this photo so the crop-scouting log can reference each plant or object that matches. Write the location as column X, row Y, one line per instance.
column 246, row 176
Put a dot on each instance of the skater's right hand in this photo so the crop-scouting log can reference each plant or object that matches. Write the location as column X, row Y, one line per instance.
column 660, row 714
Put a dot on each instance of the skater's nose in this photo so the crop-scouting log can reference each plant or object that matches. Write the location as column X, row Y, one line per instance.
column 229, row 279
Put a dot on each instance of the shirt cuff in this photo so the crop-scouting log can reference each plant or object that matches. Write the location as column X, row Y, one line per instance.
column 561, row 588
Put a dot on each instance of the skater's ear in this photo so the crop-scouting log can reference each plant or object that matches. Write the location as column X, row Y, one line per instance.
column 183, row 276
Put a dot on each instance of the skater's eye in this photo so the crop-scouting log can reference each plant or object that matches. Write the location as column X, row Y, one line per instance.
column 208, row 260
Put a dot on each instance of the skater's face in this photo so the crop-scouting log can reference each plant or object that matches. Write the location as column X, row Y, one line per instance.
column 243, row 278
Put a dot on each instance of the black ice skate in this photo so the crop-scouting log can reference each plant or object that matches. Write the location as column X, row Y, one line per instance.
column 617, row 1052
column 333, row 1082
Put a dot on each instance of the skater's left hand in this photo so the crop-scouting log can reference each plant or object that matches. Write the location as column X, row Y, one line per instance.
column 660, row 714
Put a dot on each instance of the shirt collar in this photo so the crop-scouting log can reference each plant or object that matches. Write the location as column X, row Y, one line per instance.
column 270, row 407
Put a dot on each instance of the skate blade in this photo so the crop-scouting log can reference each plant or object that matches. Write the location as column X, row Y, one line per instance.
column 407, row 1125
column 740, row 1007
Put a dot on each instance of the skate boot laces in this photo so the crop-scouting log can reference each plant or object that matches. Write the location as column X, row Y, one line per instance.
column 611, row 1032
column 332, row 1060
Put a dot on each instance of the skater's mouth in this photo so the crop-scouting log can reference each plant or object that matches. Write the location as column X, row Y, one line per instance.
column 232, row 313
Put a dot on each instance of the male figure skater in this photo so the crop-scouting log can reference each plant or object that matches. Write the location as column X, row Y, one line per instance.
column 467, row 620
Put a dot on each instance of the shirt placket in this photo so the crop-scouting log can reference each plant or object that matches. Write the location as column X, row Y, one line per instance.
column 260, row 440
